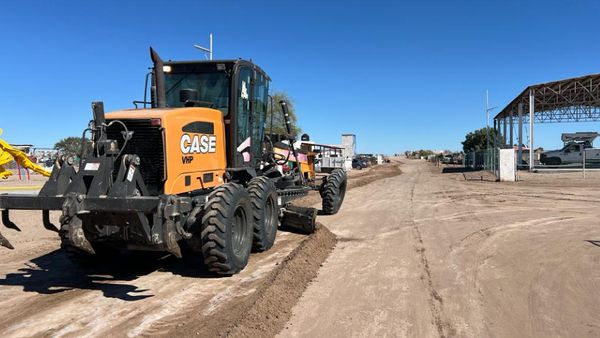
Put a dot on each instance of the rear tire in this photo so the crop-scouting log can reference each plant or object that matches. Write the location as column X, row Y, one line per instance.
column 333, row 191
column 226, row 232
column 265, row 212
column 555, row 161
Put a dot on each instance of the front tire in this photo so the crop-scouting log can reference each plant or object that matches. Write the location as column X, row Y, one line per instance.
column 265, row 212
column 226, row 232
column 333, row 191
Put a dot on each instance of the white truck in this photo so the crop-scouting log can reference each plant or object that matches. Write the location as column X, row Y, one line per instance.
column 573, row 151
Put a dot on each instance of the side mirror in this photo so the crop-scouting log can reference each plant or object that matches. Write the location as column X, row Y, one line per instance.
column 188, row 95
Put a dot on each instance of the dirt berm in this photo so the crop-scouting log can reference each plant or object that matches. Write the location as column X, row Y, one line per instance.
column 265, row 312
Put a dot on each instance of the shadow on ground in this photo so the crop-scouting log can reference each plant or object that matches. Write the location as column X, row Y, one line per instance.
column 452, row 170
column 55, row 273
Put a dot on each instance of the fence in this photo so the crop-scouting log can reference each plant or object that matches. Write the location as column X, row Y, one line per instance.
column 486, row 159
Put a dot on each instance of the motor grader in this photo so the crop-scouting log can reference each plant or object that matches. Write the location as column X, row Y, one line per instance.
column 192, row 168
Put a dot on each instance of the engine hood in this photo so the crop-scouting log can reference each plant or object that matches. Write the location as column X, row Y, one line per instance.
column 160, row 113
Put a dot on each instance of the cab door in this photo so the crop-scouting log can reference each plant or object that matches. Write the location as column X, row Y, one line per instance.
column 260, row 92
column 572, row 154
column 243, row 119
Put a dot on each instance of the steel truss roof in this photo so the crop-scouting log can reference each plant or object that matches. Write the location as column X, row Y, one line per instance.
column 570, row 100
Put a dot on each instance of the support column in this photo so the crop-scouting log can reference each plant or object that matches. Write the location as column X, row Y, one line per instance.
column 492, row 152
column 504, row 132
column 511, row 129
column 496, row 123
column 531, row 120
column 520, row 136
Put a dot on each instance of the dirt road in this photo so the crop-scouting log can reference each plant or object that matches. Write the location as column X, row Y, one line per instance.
column 44, row 294
column 422, row 254
column 428, row 254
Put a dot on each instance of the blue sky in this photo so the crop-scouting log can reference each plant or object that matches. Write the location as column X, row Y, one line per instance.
column 400, row 75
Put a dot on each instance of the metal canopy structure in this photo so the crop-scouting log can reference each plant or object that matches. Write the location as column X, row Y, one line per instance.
column 570, row 100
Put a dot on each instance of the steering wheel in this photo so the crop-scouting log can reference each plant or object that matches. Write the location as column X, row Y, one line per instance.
column 280, row 159
column 277, row 158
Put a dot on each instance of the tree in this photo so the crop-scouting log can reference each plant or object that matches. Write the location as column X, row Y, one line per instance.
column 276, row 115
column 477, row 139
column 71, row 145
column 425, row 152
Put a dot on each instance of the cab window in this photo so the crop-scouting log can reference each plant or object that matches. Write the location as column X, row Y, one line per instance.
column 260, row 112
column 244, row 92
column 212, row 89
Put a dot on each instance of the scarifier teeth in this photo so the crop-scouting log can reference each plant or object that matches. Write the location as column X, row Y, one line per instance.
column 7, row 222
column 77, row 238
column 5, row 243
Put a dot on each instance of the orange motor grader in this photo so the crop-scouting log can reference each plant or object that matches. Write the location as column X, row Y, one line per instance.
column 192, row 165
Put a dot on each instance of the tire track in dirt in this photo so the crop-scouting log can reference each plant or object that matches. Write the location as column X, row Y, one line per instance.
column 436, row 303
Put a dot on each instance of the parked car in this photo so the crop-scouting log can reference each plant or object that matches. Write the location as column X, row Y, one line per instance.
column 359, row 164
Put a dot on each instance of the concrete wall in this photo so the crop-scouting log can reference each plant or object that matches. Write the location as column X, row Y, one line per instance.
column 507, row 165
column 349, row 144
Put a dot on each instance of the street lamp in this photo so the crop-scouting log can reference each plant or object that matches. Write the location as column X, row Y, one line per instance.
column 487, row 117
column 208, row 50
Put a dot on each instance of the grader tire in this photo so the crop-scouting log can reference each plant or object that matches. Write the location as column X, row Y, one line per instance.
column 226, row 232
column 333, row 191
column 265, row 212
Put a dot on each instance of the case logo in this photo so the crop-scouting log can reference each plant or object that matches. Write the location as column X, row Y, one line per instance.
column 198, row 144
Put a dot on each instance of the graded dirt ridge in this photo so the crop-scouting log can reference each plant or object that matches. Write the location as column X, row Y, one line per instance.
column 265, row 312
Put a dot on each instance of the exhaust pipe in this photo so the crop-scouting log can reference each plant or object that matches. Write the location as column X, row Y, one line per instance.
column 159, row 79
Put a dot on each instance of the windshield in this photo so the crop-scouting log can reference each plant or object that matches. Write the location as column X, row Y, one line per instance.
column 213, row 89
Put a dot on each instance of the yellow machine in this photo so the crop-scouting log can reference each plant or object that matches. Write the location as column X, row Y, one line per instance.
column 193, row 165
column 9, row 153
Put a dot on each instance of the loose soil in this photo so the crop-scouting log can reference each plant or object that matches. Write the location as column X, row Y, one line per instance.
column 357, row 178
column 44, row 294
column 431, row 254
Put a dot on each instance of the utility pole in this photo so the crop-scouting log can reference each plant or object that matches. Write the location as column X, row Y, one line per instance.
column 487, row 119
column 488, row 109
column 208, row 50
column 487, row 157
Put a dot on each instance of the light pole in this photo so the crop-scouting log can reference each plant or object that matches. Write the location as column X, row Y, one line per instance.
column 488, row 109
column 208, row 50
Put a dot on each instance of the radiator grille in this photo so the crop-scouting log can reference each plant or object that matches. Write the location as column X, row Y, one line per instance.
column 147, row 143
